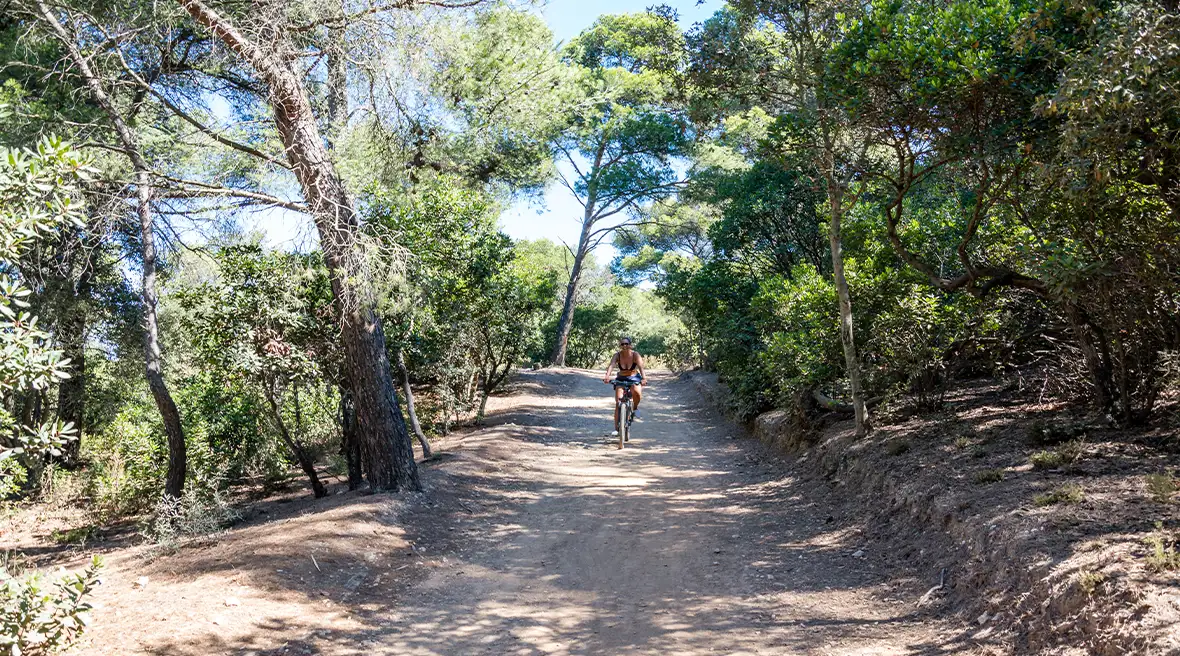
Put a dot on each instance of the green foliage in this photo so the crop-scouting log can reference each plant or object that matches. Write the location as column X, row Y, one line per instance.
column 1090, row 581
column 1070, row 493
column 985, row 476
column 1161, row 487
column 196, row 513
column 1162, row 555
column 37, row 619
column 502, row 79
column 799, row 313
column 1046, row 460
column 38, row 197
column 594, row 335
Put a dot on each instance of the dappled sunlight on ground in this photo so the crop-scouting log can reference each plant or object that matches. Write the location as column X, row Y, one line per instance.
column 537, row 536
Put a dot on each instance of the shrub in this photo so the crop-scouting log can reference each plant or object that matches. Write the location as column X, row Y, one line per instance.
column 801, row 330
column 1043, row 460
column 989, row 476
column 36, row 620
column 191, row 515
column 1071, row 452
column 1162, row 556
column 1161, row 487
column 1089, row 581
column 1042, row 433
column 12, row 477
column 1072, row 493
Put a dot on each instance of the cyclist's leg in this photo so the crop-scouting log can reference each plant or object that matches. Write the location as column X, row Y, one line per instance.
column 637, row 395
column 618, row 397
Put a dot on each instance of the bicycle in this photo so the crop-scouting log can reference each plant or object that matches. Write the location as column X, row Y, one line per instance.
column 625, row 412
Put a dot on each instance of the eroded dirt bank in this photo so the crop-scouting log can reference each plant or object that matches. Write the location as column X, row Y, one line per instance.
column 1042, row 517
column 536, row 536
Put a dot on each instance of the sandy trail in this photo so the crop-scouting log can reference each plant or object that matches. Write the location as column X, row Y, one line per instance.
column 685, row 542
column 537, row 536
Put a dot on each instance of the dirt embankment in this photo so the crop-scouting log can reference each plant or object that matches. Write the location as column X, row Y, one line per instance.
column 1047, row 529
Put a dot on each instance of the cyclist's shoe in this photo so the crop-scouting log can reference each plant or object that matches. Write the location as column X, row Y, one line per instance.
column 614, row 433
column 634, row 415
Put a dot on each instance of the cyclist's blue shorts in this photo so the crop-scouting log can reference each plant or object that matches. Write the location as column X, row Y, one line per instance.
column 628, row 380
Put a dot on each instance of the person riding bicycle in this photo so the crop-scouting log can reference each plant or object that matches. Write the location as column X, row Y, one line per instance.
column 630, row 365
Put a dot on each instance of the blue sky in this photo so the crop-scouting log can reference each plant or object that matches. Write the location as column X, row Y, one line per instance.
column 557, row 214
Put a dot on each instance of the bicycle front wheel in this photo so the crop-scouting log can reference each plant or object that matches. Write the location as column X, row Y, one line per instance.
column 621, row 421
column 624, row 412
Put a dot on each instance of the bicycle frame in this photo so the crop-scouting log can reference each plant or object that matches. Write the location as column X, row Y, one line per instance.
column 625, row 412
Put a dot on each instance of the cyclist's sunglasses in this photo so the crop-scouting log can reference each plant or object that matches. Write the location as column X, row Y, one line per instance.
column 624, row 343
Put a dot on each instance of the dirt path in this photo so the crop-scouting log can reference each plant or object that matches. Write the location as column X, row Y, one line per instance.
column 536, row 536
column 685, row 542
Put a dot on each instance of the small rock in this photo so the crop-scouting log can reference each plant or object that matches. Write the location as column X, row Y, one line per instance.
column 859, row 553
column 232, row 601
column 716, row 551
column 716, row 562
column 140, row 583
column 982, row 619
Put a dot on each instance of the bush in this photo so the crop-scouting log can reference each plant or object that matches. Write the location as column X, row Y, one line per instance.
column 1161, row 487
column 801, row 330
column 989, row 476
column 194, row 514
column 1045, row 460
column 1065, row 456
column 36, row 620
column 124, row 462
column 594, row 335
column 1162, row 556
column 1071, row 493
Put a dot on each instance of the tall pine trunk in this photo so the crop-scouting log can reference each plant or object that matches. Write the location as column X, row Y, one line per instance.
column 566, row 322
column 145, row 196
column 386, row 451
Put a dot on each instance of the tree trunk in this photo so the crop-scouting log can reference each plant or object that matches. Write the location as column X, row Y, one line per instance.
column 851, row 361
column 566, row 322
column 483, row 405
column 145, row 190
column 469, row 391
column 71, row 392
column 177, row 454
column 1085, row 334
column 297, row 450
column 410, row 411
column 386, row 452
column 350, row 445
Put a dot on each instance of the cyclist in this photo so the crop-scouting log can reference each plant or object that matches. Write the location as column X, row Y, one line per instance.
column 630, row 365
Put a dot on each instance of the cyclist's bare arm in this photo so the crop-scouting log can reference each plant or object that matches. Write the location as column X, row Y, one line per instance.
column 642, row 374
column 613, row 360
